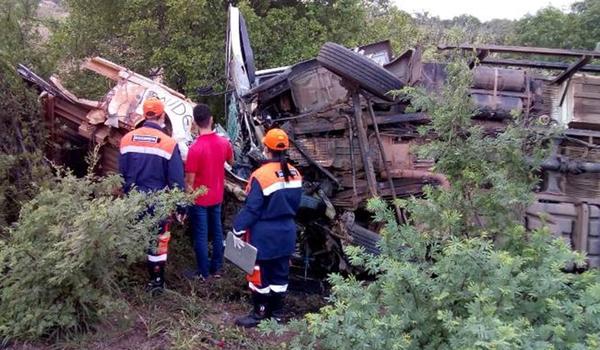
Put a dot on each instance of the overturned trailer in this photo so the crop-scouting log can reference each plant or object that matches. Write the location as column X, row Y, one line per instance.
column 76, row 126
column 352, row 140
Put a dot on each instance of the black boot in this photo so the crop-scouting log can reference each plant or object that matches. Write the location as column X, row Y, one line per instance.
column 156, row 285
column 258, row 313
column 276, row 306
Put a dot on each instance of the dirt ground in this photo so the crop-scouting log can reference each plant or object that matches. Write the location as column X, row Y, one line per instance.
column 189, row 315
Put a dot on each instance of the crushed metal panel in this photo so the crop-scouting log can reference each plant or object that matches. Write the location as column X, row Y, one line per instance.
column 397, row 153
column 125, row 101
column 317, row 88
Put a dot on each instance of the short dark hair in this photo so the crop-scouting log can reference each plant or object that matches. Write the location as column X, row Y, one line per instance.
column 202, row 115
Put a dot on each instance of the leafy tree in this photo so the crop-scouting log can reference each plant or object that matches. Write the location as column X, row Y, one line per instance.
column 62, row 262
column 21, row 129
column 442, row 282
column 587, row 18
column 186, row 38
column 550, row 27
column 462, row 29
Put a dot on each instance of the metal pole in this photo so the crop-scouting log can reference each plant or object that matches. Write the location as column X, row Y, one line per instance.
column 384, row 159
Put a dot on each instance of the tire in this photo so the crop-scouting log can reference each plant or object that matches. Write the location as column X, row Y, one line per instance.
column 359, row 69
column 365, row 238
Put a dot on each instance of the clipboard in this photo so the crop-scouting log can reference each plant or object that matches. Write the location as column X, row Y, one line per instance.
column 244, row 258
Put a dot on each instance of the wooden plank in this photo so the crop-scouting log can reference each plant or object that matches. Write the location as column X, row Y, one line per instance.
column 149, row 83
column 115, row 72
column 573, row 68
column 585, row 133
column 499, row 93
column 103, row 67
column 582, row 225
column 590, row 95
column 363, row 141
column 523, row 49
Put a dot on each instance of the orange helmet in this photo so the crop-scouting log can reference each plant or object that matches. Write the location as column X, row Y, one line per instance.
column 276, row 140
column 153, row 107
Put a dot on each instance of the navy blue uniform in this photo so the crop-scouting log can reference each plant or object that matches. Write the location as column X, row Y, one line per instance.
column 268, row 216
column 150, row 160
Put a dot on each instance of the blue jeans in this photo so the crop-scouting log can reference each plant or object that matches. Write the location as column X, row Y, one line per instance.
column 205, row 220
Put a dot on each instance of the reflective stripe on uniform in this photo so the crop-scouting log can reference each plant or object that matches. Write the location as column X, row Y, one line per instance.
column 270, row 177
column 265, row 290
column 146, row 150
column 281, row 186
column 156, row 258
column 279, row 288
column 147, row 140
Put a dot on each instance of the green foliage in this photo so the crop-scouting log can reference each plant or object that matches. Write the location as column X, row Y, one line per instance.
column 459, row 294
column 551, row 27
column 62, row 260
column 186, row 38
column 490, row 180
column 441, row 282
column 463, row 29
column 21, row 143
column 22, row 137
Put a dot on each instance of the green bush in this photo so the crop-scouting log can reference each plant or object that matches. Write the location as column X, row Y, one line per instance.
column 463, row 273
column 62, row 261
column 459, row 294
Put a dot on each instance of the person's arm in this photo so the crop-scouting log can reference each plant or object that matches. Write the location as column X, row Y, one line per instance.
column 189, row 182
column 175, row 170
column 252, row 209
column 123, row 169
column 191, row 169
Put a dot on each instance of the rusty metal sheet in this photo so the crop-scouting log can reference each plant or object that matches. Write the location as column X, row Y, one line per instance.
column 331, row 152
column 317, row 88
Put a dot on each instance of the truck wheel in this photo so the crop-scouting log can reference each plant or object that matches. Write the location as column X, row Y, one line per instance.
column 359, row 69
column 365, row 238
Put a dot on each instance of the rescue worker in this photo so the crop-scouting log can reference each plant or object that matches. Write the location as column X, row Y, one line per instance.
column 267, row 222
column 150, row 160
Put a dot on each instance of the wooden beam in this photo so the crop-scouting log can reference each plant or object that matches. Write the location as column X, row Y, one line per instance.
column 363, row 141
column 523, row 49
column 116, row 72
column 538, row 64
column 573, row 68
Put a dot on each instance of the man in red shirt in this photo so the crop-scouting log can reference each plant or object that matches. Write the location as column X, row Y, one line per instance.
column 205, row 166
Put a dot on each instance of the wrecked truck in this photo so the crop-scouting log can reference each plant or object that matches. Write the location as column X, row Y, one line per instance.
column 351, row 139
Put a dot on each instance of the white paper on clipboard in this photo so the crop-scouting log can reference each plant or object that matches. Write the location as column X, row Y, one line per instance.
column 244, row 258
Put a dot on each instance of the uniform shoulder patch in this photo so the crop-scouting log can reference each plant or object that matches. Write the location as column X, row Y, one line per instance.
column 145, row 138
column 293, row 172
